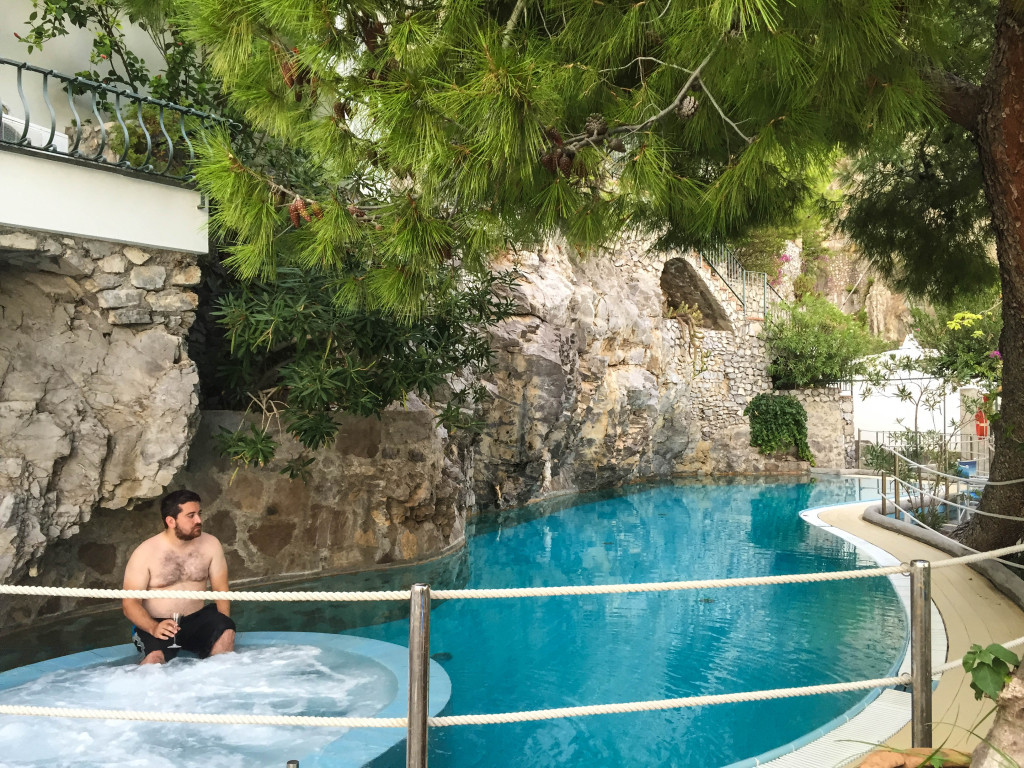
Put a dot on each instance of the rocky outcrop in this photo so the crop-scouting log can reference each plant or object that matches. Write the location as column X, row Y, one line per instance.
column 599, row 382
column 97, row 408
column 853, row 285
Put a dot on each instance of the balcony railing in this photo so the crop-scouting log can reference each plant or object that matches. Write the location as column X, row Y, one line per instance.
column 108, row 126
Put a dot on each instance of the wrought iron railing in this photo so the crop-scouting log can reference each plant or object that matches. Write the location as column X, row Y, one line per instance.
column 108, row 126
column 756, row 295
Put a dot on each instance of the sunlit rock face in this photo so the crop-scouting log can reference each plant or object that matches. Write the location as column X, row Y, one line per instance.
column 98, row 398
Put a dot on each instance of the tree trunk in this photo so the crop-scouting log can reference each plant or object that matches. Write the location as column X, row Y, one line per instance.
column 1006, row 739
column 1001, row 147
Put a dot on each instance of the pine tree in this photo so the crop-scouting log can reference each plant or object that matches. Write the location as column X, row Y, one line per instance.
column 437, row 131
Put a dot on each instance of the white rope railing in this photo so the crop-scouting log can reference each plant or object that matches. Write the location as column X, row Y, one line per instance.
column 451, row 594
column 648, row 706
column 958, row 663
column 203, row 718
column 486, row 719
column 336, row 722
column 924, row 497
column 469, row 594
column 185, row 594
column 921, row 497
column 482, row 719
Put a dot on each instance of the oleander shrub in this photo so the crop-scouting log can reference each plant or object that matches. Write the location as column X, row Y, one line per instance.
column 813, row 343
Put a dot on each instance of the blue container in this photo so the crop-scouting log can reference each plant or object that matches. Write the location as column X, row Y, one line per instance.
column 968, row 468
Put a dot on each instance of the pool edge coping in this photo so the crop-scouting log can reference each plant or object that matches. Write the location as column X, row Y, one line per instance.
column 861, row 739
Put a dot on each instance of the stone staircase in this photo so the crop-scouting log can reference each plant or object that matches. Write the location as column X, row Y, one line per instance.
column 746, row 296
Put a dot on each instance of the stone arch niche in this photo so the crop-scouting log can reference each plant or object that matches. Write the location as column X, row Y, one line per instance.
column 681, row 283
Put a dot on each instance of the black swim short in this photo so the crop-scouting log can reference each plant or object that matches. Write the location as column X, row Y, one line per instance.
column 199, row 631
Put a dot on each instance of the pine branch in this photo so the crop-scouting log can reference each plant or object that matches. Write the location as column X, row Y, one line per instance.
column 580, row 141
column 959, row 99
column 733, row 125
column 694, row 76
column 513, row 20
column 647, row 58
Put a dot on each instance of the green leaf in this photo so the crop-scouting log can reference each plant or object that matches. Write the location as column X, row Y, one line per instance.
column 987, row 681
column 1003, row 654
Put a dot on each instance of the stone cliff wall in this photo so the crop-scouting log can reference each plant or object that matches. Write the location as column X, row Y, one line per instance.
column 97, row 394
column 597, row 383
column 389, row 491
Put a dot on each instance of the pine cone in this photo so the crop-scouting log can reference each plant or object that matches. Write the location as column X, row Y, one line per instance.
column 596, row 125
column 565, row 165
column 317, row 210
column 687, row 108
column 288, row 72
column 340, row 112
column 293, row 214
column 300, row 206
column 616, row 145
column 550, row 161
column 554, row 136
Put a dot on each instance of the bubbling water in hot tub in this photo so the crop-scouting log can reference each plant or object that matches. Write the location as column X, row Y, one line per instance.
column 267, row 680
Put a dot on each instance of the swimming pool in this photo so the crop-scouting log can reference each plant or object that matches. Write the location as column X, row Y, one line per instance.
column 509, row 655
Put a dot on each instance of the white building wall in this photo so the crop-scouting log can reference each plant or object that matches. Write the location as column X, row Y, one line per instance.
column 880, row 408
column 72, row 199
column 66, row 55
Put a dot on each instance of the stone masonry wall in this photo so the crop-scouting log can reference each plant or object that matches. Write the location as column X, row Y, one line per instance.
column 389, row 491
column 97, row 394
column 830, row 432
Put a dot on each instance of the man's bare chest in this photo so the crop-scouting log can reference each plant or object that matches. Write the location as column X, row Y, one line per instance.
column 174, row 568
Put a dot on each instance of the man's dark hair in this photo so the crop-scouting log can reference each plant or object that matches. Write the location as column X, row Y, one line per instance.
column 170, row 505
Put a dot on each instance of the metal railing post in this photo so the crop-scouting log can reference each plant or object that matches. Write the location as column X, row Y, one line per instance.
column 896, row 485
column 921, row 652
column 885, row 492
column 419, row 675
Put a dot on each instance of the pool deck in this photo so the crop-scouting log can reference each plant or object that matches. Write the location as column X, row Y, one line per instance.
column 973, row 612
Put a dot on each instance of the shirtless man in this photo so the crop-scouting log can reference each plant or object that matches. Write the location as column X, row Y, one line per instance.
column 180, row 558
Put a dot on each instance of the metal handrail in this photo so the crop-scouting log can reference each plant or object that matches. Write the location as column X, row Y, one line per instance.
column 163, row 147
column 737, row 279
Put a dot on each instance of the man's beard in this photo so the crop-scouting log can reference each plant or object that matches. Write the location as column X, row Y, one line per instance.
column 194, row 534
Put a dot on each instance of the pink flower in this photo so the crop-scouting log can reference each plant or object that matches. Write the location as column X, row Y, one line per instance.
column 995, row 354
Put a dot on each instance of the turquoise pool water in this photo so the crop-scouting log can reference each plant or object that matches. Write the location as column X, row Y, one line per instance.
column 509, row 655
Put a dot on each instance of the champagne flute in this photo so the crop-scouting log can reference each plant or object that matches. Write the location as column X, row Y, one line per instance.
column 175, row 617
